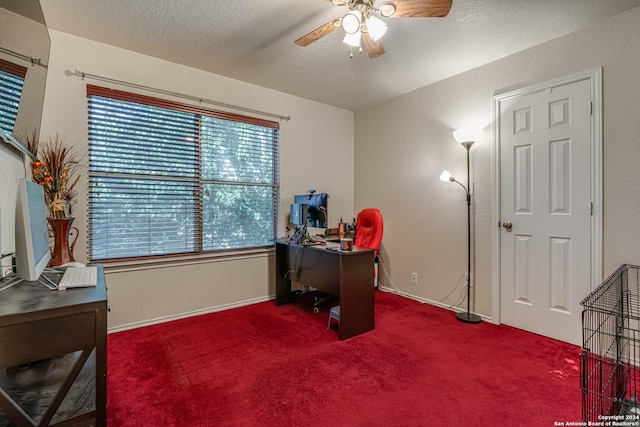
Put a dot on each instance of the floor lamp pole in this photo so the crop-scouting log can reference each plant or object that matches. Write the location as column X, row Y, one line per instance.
column 468, row 317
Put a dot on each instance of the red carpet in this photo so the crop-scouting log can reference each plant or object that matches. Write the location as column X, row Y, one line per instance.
column 263, row 365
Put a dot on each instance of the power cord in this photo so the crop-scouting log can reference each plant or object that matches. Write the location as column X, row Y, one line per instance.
column 461, row 296
column 8, row 273
column 295, row 259
column 295, row 264
column 386, row 273
column 298, row 236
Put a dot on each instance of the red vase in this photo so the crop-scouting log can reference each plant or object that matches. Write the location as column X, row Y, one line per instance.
column 62, row 251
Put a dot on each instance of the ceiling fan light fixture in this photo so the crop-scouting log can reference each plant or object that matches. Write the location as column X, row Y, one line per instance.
column 352, row 39
column 376, row 28
column 366, row 31
column 387, row 9
column 351, row 22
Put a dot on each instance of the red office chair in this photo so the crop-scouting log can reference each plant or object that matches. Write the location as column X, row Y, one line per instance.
column 369, row 228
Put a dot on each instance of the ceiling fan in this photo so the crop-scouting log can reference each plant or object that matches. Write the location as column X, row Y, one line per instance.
column 360, row 25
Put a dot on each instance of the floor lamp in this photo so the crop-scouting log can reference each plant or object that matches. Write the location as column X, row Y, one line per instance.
column 466, row 138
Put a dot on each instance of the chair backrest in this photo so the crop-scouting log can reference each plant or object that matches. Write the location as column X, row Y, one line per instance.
column 369, row 228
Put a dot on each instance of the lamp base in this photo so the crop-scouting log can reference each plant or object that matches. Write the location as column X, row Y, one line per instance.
column 468, row 318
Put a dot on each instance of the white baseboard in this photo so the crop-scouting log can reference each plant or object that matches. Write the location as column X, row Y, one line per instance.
column 165, row 319
column 430, row 302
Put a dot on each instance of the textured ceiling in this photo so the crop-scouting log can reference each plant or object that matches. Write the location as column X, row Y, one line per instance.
column 252, row 40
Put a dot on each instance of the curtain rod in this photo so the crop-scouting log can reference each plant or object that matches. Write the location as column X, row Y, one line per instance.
column 34, row 61
column 84, row 75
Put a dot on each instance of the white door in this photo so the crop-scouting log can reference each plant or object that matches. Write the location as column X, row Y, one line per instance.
column 545, row 210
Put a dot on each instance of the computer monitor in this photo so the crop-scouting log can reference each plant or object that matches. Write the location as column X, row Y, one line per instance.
column 32, row 233
column 316, row 208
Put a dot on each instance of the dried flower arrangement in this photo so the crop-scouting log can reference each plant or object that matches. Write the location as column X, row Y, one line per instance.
column 56, row 168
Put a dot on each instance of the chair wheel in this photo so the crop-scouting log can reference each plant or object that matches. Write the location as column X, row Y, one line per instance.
column 316, row 310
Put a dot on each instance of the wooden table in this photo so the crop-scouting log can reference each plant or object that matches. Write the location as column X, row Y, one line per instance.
column 346, row 274
column 53, row 355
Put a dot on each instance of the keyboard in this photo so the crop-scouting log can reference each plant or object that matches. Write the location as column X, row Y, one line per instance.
column 78, row 277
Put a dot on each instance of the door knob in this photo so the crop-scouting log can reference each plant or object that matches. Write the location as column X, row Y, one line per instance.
column 507, row 225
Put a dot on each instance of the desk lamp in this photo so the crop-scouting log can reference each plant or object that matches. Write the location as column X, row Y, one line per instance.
column 466, row 138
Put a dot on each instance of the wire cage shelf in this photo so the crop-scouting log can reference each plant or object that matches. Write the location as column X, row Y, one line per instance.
column 610, row 356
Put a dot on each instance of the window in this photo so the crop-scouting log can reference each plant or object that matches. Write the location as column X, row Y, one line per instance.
column 11, row 83
column 167, row 178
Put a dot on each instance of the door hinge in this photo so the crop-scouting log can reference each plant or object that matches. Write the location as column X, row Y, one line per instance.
column 591, row 213
column 591, row 109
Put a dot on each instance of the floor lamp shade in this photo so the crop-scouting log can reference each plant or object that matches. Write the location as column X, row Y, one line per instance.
column 466, row 135
column 445, row 176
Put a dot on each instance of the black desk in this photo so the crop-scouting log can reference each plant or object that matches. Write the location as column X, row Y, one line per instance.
column 47, row 335
column 348, row 275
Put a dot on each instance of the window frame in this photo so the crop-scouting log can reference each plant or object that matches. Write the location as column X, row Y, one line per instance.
column 12, row 68
column 198, row 254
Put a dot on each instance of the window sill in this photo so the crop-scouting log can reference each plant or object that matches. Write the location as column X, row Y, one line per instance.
column 182, row 260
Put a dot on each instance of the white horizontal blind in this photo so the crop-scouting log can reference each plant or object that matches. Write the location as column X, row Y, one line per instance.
column 238, row 170
column 11, row 83
column 168, row 179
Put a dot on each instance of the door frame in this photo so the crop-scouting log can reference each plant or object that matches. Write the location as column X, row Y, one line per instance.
column 594, row 75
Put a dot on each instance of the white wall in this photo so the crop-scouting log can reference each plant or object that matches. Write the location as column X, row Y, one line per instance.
column 171, row 290
column 406, row 142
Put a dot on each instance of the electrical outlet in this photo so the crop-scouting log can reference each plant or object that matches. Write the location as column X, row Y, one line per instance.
column 414, row 278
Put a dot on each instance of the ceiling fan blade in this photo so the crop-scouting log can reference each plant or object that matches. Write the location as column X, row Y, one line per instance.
column 374, row 48
column 318, row 33
column 416, row 9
